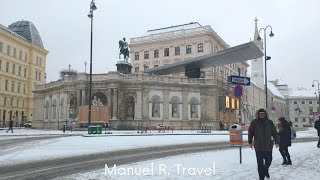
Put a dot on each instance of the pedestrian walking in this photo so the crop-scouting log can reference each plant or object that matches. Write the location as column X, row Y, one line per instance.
column 10, row 126
column 317, row 126
column 221, row 126
column 284, row 133
column 260, row 134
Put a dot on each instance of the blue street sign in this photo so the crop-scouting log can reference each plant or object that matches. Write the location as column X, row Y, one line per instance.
column 245, row 81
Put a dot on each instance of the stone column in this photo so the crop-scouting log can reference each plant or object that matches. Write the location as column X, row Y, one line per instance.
column 83, row 100
column 114, row 104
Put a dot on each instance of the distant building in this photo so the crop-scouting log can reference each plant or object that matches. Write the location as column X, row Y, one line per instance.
column 22, row 65
column 173, row 44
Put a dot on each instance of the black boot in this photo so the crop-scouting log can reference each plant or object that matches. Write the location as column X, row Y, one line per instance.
column 285, row 162
column 267, row 174
column 289, row 161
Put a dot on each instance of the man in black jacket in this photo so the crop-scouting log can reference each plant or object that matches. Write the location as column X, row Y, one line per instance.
column 317, row 126
column 262, row 130
column 10, row 126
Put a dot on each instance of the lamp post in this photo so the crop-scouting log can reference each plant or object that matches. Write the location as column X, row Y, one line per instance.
column 85, row 67
column 93, row 7
column 265, row 58
column 318, row 93
column 69, row 68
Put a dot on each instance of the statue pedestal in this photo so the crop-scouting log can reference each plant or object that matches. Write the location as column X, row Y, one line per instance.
column 124, row 67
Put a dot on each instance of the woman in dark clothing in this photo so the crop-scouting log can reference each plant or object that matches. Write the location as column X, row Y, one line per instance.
column 285, row 140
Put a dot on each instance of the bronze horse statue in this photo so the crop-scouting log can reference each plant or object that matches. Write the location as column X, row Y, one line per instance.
column 124, row 50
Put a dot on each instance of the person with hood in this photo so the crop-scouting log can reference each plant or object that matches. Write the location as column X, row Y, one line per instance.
column 285, row 140
column 317, row 126
column 260, row 135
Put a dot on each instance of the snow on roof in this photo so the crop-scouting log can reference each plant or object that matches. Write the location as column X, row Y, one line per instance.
column 174, row 28
column 274, row 90
column 302, row 92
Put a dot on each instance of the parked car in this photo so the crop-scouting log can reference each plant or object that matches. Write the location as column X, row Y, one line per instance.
column 28, row 124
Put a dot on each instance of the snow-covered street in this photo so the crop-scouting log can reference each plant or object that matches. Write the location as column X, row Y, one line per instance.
column 304, row 156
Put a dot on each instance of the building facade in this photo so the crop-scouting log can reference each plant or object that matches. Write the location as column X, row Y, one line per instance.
column 22, row 65
column 134, row 100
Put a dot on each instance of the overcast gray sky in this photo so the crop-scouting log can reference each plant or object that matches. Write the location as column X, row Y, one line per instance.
column 65, row 29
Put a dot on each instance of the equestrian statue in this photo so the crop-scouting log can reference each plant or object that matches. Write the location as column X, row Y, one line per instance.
column 124, row 49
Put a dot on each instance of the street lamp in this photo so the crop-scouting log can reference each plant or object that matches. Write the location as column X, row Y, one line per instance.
column 69, row 68
column 85, row 67
column 93, row 7
column 265, row 58
column 318, row 93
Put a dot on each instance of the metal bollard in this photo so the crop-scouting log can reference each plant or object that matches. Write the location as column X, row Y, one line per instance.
column 64, row 128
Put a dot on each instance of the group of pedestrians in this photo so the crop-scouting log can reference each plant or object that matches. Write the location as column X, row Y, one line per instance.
column 263, row 135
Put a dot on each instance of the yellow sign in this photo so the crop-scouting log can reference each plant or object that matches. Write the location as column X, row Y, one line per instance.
column 233, row 104
column 227, row 102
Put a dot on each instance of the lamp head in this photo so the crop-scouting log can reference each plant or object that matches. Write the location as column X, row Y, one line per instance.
column 312, row 85
column 268, row 57
column 259, row 38
column 271, row 34
column 93, row 6
column 90, row 15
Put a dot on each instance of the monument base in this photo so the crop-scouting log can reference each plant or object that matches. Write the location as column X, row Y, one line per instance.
column 124, row 67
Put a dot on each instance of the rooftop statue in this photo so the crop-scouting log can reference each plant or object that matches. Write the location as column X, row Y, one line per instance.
column 124, row 49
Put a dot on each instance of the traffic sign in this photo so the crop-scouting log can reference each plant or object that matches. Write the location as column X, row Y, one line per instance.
column 237, row 91
column 239, row 80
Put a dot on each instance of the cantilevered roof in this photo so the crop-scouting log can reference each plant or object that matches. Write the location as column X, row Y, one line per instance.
column 231, row 55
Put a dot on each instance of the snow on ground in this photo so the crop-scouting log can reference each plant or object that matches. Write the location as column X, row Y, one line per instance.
column 79, row 145
column 227, row 167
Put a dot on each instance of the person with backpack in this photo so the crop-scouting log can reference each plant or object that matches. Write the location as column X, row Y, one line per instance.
column 317, row 126
column 284, row 133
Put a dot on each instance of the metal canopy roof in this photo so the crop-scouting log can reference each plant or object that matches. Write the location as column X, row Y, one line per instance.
column 235, row 54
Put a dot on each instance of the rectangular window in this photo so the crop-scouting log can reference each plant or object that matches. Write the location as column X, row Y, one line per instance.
column 146, row 67
column 19, row 87
column 18, row 101
column 310, row 102
column 20, row 55
column 6, row 85
column 19, row 71
column 25, row 72
column 1, row 44
column 155, row 66
column 188, row 49
column 146, row 55
column 156, row 53
column 24, row 88
column 136, row 56
column 303, row 119
column 0, row 64
column 136, row 69
column 14, row 52
column 166, row 52
column 25, row 57
column 13, row 69
column 4, row 101
column 11, row 102
column 12, row 86
column 200, row 47
column 36, row 75
column 302, row 102
column 22, row 103
column 7, row 67
column 8, row 50
column 177, row 50
column 39, row 76
column 295, row 102
column 296, row 119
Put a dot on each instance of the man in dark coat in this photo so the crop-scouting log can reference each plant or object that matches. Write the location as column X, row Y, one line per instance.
column 262, row 130
column 10, row 126
column 317, row 126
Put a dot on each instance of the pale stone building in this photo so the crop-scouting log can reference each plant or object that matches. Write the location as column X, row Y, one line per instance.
column 133, row 100
column 22, row 65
